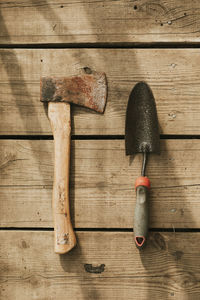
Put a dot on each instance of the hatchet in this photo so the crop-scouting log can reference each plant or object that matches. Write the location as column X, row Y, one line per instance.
column 88, row 90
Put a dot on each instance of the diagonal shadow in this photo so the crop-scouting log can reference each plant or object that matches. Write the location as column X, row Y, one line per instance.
column 22, row 112
column 74, row 260
column 49, row 14
column 17, row 92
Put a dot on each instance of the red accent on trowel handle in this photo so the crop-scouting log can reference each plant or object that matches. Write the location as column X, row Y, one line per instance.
column 144, row 181
column 140, row 240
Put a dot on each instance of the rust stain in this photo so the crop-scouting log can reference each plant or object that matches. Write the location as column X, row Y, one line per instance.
column 88, row 90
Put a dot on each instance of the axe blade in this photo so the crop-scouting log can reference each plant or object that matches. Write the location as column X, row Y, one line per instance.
column 88, row 90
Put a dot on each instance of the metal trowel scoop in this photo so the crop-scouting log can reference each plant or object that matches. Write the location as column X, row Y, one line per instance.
column 141, row 136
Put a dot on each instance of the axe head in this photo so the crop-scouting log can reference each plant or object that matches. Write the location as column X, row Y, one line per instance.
column 88, row 90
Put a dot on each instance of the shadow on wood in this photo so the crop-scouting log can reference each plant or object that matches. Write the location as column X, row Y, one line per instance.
column 69, row 262
column 157, row 243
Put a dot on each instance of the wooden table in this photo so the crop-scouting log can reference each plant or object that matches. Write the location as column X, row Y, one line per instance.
column 156, row 41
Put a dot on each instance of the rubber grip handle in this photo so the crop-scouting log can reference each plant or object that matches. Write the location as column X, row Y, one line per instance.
column 64, row 237
column 141, row 216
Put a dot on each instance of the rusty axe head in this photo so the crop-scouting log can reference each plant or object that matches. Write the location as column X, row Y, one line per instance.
column 88, row 90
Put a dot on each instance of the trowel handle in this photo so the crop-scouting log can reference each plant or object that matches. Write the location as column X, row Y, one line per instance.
column 141, row 211
column 59, row 115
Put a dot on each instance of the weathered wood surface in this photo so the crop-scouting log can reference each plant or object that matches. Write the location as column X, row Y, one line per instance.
column 167, row 269
column 99, row 21
column 102, row 184
column 174, row 76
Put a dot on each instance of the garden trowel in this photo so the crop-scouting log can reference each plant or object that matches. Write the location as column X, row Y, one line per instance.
column 141, row 136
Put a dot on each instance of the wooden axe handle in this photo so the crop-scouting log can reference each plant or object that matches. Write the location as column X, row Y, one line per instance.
column 64, row 237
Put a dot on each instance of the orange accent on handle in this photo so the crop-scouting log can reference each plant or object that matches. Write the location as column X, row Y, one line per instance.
column 144, row 181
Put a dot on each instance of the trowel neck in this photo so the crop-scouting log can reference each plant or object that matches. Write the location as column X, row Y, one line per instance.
column 144, row 164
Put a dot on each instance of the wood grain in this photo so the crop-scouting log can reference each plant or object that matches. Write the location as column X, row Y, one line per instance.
column 92, row 21
column 174, row 76
column 98, row 268
column 101, row 184
column 64, row 236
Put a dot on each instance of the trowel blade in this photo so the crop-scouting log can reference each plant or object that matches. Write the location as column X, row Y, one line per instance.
column 142, row 129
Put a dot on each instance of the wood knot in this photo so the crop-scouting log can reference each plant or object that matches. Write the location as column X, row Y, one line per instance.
column 34, row 281
column 159, row 242
column 24, row 245
column 177, row 255
column 188, row 280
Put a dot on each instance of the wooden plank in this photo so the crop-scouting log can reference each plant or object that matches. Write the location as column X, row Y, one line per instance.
column 167, row 269
column 102, row 184
column 103, row 21
column 174, row 76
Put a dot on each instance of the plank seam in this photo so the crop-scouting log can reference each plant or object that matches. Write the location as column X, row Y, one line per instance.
column 102, row 229
column 117, row 45
column 95, row 137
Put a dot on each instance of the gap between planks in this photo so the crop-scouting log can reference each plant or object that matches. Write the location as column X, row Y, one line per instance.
column 156, row 45
column 102, row 229
column 95, row 137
